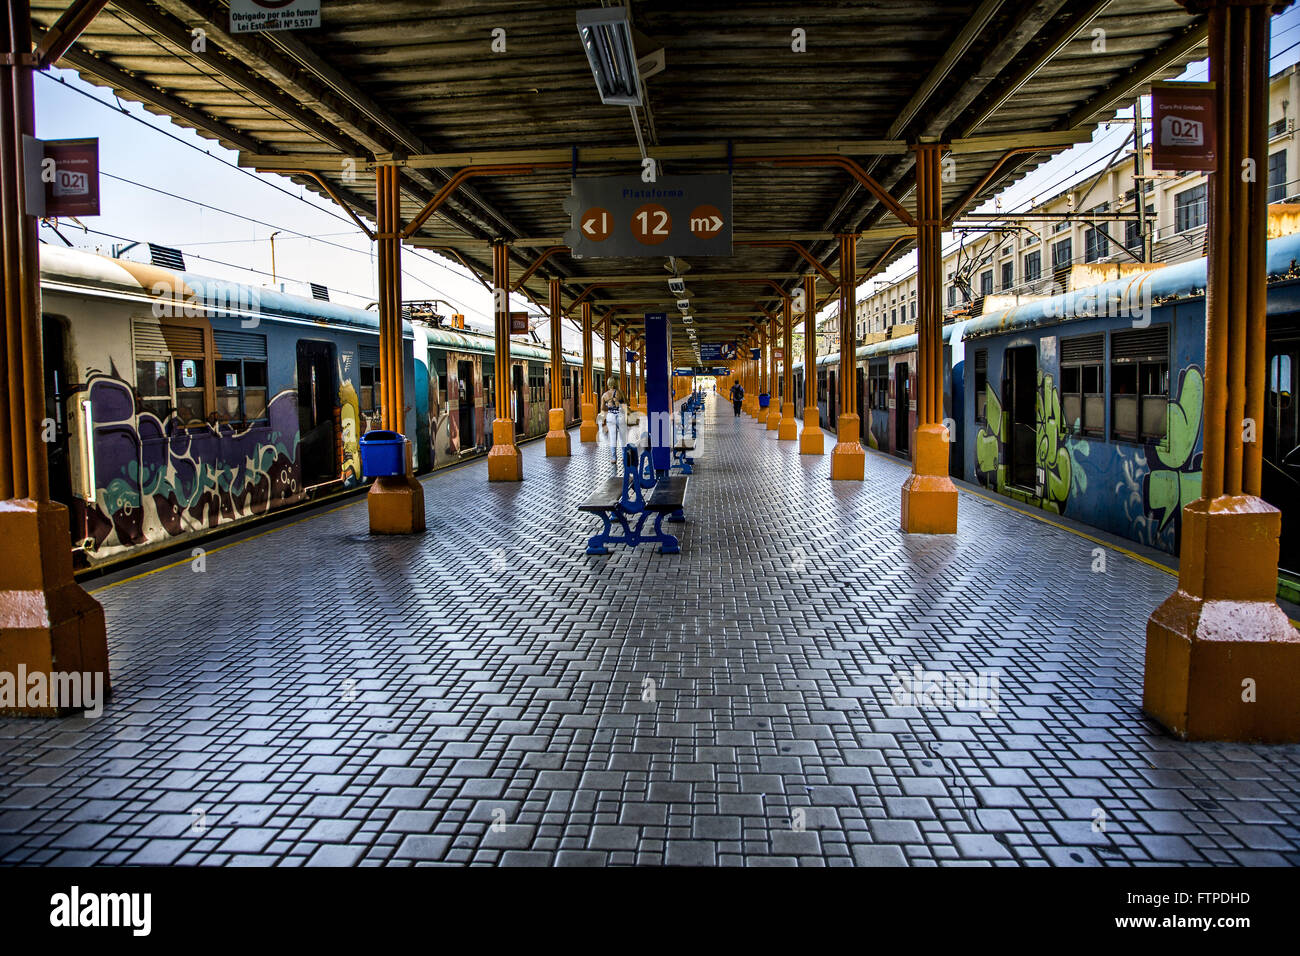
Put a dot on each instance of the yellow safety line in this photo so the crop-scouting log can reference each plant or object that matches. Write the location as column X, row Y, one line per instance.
column 262, row 534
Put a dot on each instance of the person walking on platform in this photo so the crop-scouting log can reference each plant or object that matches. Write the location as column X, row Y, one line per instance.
column 737, row 396
column 611, row 400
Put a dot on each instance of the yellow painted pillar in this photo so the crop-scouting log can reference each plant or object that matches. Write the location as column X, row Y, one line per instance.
column 48, row 624
column 639, row 372
column 609, row 348
column 812, row 438
column 557, row 436
column 929, row 496
column 774, row 401
column 587, row 431
column 395, row 504
column 760, row 373
column 622, row 364
column 848, row 460
column 788, row 429
column 1222, row 660
column 505, row 461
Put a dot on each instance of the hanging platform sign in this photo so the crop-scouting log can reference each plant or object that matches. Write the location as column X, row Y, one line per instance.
column 1184, row 126
column 249, row 15
column 621, row 216
column 715, row 352
column 70, row 174
column 518, row 323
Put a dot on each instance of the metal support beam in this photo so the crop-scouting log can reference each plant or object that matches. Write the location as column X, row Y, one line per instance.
column 812, row 438
column 848, row 459
column 587, row 431
column 70, row 25
column 505, row 462
column 557, row 435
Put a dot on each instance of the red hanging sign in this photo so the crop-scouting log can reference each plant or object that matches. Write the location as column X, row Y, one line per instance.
column 518, row 323
column 70, row 173
column 1184, row 131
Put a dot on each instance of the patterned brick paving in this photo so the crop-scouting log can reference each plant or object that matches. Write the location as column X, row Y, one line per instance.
column 476, row 694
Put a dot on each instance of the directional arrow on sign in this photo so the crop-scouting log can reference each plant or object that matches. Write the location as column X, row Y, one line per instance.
column 706, row 221
column 596, row 224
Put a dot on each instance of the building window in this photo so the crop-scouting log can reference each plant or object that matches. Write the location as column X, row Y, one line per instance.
column 952, row 296
column 1008, row 275
column 1062, row 254
column 1139, row 375
column 893, row 316
column 1033, row 265
column 1083, row 400
column 913, row 310
column 1060, row 226
column 1096, row 245
column 1277, row 176
column 986, row 282
column 1133, row 238
column 981, row 385
column 1189, row 208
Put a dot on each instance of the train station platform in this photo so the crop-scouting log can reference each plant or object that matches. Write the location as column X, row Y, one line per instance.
column 488, row 693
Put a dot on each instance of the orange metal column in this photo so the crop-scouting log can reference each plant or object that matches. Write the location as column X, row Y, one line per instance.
column 774, row 401
column 505, row 461
column 1222, row 660
column 609, row 348
column 395, row 503
column 848, row 460
column 812, row 438
column 788, row 429
column 929, row 496
column 587, row 431
column 557, row 435
column 622, row 364
column 760, row 374
column 48, row 624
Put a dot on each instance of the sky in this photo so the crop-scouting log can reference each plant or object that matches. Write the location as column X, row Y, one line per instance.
column 165, row 184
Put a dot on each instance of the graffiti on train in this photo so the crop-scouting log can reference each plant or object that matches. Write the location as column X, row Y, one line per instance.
column 154, row 480
column 1072, row 476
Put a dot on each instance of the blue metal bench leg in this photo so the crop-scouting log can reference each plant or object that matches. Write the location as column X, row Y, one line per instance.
column 668, row 543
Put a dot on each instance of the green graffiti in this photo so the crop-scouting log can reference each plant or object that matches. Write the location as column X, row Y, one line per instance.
column 1175, row 477
column 1058, row 457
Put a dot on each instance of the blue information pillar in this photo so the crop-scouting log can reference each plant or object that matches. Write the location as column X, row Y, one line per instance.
column 658, row 392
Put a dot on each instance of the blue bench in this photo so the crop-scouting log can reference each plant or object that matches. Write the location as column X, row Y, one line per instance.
column 631, row 500
column 683, row 446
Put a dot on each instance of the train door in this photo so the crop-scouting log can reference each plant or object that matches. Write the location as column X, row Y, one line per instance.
column 317, row 454
column 832, row 401
column 1021, row 383
column 902, row 410
column 56, row 395
column 575, row 395
column 1281, row 478
column 465, row 413
column 520, row 397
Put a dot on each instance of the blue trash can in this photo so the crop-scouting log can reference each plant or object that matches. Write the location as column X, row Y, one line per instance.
column 383, row 454
column 764, row 399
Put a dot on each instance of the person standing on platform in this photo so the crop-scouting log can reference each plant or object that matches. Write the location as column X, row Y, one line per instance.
column 737, row 396
column 611, row 400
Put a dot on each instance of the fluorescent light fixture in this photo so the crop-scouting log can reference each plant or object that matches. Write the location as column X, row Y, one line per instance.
column 606, row 35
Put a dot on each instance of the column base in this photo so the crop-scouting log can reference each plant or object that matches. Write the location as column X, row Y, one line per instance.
column 396, row 505
column 48, row 624
column 812, row 440
column 929, row 496
column 1222, row 660
column 788, row 429
column 505, row 460
column 773, row 418
column 557, row 439
column 588, row 431
column 848, row 458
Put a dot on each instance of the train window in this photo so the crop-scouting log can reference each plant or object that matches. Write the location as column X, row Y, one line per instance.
column 153, row 383
column 190, row 404
column 230, row 380
column 981, row 385
column 254, row 391
column 1082, row 397
column 369, row 378
column 878, row 385
column 1140, row 384
column 442, row 384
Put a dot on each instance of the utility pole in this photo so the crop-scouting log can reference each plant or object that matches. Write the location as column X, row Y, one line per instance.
column 1139, row 178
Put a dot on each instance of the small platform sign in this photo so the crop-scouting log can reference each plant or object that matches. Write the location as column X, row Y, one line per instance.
column 518, row 323
column 70, row 173
column 249, row 15
column 1184, row 130
column 715, row 352
column 778, row 354
column 622, row 216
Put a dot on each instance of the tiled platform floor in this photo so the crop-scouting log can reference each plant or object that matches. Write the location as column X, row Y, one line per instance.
column 476, row 694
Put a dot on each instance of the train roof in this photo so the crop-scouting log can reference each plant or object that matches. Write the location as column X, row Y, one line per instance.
column 74, row 270
column 1153, row 287
column 904, row 343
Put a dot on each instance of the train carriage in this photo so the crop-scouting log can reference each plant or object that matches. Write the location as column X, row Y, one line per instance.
column 179, row 405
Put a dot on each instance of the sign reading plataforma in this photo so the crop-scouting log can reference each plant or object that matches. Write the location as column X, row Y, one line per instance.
column 249, row 15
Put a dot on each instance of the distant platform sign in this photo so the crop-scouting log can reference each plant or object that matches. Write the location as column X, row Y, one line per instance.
column 715, row 352
column 249, row 15
column 621, row 216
